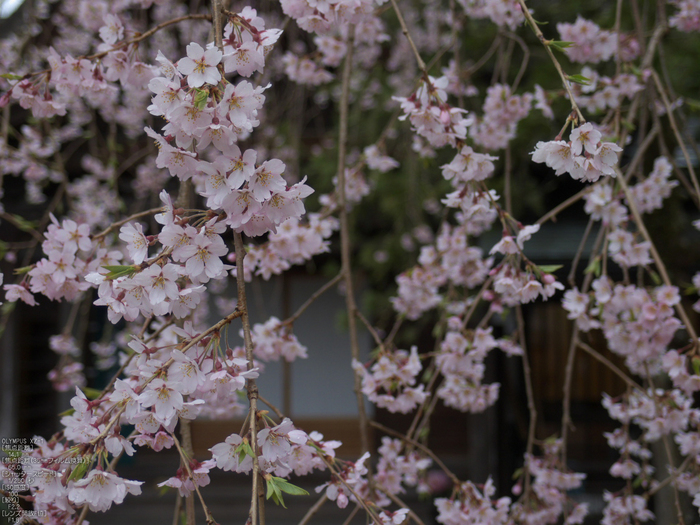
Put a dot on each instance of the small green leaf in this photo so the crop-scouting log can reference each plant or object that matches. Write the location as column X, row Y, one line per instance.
column 23, row 270
column 550, row 268
column 23, row 224
column 11, row 76
column 696, row 365
column 692, row 104
column 286, row 486
column 79, row 471
column 593, row 267
column 201, row 98
column 119, row 271
column 243, row 450
column 579, row 79
column 540, row 23
column 559, row 45
column 655, row 277
column 91, row 393
column 274, row 492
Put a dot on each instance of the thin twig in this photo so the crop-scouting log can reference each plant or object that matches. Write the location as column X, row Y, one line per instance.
column 272, row 407
column 533, row 25
column 318, row 293
column 674, row 126
column 346, row 270
column 419, row 445
column 404, row 29
column 314, row 509
column 251, row 385
column 657, row 258
column 529, row 391
column 186, row 462
column 597, row 355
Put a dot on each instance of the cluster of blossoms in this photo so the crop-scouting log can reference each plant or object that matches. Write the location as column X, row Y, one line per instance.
column 658, row 413
column 468, row 165
column 430, row 115
column 584, row 157
column 293, row 243
column 70, row 254
column 461, row 362
column 319, row 17
column 548, row 500
column 396, row 470
column 171, row 283
column 451, row 260
column 591, row 44
column 305, row 71
column 503, row 13
column 273, row 340
column 637, row 325
column 353, row 476
column 600, row 92
column 471, row 505
column 687, row 18
column 649, row 193
column 282, row 449
column 502, row 112
column 330, row 21
column 255, row 198
column 389, row 382
column 626, row 467
column 513, row 285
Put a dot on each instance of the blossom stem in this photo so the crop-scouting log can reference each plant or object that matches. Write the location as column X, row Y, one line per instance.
column 597, row 355
column 527, row 374
column 318, row 293
column 119, row 224
column 657, row 258
column 313, row 510
column 251, row 384
column 533, row 24
column 674, row 126
column 404, row 29
column 345, row 238
column 455, row 480
column 186, row 462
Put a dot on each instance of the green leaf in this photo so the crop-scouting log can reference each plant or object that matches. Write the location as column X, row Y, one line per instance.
column 91, row 393
column 23, row 224
column 11, row 76
column 243, row 450
column 579, row 79
column 692, row 104
column 79, row 471
column 276, row 486
column 286, row 486
column 696, row 365
column 559, row 45
column 274, row 492
column 655, row 277
column 201, row 98
column 593, row 267
column 550, row 268
column 119, row 271
column 23, row 270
